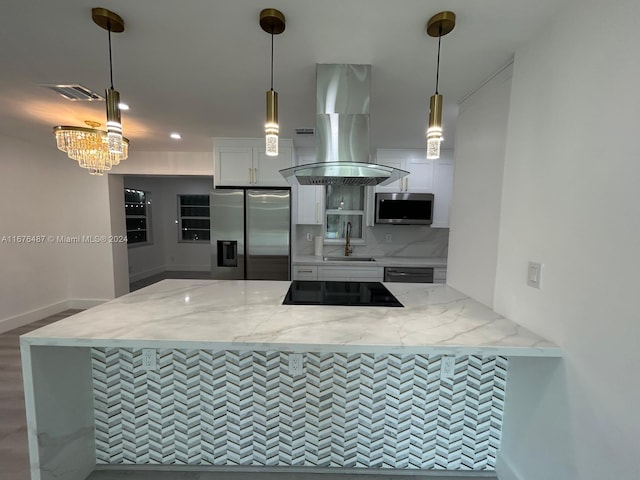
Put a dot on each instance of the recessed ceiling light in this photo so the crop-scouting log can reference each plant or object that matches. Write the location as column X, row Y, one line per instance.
column 176, row 136
column 123, row 106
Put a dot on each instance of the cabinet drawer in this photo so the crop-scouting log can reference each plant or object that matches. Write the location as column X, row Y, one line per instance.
column 350, row 274
column 305, row 272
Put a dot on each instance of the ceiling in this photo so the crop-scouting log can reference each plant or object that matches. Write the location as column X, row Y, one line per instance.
column 201, row 67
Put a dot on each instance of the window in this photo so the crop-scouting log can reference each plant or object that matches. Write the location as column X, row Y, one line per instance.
column 137, row 215
column 194, row 218
column 344, row 203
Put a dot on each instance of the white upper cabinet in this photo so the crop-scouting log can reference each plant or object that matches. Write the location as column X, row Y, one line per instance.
column 310, row 197
column 233, row 165
column 425, row 176
column 442, row 189
column 420, row 178
column 310, row 204
column 242, row 162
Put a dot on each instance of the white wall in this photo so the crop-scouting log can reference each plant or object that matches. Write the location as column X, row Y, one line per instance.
column 119, row 250
column 477, row 191
column 570, row 201
column 87, row 211
column 42, row 192
column 166, row 252
column 166, row 163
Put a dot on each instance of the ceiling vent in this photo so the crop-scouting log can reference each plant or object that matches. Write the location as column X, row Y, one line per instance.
column 75, row 93
column 305, row 131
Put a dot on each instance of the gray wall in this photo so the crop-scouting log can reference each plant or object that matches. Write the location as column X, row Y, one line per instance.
column 166, row 252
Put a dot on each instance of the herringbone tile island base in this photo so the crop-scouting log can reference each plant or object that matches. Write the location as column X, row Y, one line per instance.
column 231, row 408
column 13, row 442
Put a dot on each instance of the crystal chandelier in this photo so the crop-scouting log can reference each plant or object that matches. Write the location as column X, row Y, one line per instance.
column 93, row 149
column 89, row 147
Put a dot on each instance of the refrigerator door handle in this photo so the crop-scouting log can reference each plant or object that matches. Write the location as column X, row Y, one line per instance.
column 255, row 176
column 249, row 175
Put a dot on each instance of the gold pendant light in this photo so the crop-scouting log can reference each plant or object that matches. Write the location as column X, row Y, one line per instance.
column 111, row 22
column 96, row 150
column 272, row 21
column 438, row 26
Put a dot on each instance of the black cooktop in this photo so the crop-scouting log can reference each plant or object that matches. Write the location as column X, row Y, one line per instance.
column 354, row 294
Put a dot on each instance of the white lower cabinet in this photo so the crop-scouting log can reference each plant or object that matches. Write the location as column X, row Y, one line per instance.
column 440, row 275
column 305, row 272
column 352, row 273
column 338, row 273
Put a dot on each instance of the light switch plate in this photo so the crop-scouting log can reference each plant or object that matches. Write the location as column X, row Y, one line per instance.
column 534, row 273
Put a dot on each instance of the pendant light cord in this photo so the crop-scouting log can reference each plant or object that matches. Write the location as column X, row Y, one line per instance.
column 271, row 57
column 110, row 59
column 438, row 64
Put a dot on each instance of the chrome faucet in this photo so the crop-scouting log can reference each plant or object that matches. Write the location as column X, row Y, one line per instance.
column 348, row 249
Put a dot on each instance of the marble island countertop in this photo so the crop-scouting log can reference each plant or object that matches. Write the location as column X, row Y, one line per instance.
column 379, row 261
column 225, row 314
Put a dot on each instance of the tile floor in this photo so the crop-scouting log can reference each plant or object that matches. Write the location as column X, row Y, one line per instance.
column 252, row 475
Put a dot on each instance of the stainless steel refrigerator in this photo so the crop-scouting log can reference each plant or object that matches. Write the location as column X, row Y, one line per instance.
column 250, row 234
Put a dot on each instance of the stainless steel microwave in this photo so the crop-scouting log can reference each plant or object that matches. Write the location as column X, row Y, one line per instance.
column 404, row 208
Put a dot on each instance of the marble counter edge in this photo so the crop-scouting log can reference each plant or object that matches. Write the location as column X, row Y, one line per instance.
column 485, row 350
column 177, row 314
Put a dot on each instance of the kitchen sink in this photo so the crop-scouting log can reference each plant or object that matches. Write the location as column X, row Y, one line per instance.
column 348, row 259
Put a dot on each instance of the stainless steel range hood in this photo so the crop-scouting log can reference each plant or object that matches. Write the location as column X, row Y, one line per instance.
column 342, row 130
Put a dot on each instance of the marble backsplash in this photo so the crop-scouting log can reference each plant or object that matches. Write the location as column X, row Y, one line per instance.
column 405, row 241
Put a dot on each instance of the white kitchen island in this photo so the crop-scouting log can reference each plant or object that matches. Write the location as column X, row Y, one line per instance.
column 217, row 389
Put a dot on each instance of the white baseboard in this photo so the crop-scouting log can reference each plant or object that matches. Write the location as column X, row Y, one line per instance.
column 31, row 316
column 188, row 268
column 16, row 321
column 505, row 470
column 84, row 303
